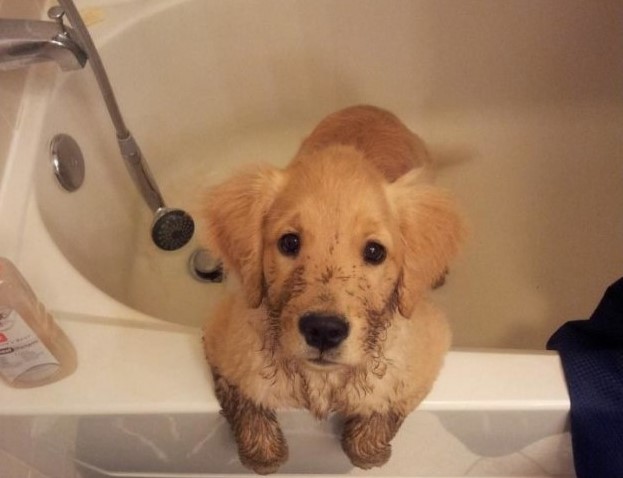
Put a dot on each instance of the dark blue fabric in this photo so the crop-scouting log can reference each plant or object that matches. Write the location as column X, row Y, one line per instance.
column 592, row 358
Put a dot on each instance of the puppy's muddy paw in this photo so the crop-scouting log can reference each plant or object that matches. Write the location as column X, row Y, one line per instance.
column 263, row 452
column 366, row 455
column 261, row 444
column 366, row 438
column 262, row 465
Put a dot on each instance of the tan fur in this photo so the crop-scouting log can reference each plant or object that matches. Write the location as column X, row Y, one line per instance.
column 385, row 140
column 356, row 178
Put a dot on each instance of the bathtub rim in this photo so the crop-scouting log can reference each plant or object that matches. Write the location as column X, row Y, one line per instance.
column 471, row 379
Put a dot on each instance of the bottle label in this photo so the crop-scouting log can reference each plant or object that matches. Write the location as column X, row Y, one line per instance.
column 22, row 354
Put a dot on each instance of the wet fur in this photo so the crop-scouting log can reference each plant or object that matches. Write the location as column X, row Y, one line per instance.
column 359, row 176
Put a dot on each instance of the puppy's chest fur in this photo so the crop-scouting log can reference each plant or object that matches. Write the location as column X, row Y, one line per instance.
column 321, row 392
column 370, row 386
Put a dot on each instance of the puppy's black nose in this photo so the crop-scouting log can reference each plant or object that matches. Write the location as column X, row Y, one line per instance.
column 323, row 331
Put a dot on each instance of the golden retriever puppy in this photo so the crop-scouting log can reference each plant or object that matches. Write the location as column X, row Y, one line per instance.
column 334, row 256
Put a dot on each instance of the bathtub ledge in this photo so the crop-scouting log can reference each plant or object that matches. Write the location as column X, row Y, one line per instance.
column 122, row 363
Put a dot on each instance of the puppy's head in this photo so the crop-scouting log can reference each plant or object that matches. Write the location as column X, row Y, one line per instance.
column 333, row 251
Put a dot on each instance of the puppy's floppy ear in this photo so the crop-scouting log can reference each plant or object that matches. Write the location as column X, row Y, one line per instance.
column 234, row 213
column 431, row 232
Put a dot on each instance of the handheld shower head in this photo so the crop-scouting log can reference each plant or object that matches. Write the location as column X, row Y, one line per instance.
column 172, row 228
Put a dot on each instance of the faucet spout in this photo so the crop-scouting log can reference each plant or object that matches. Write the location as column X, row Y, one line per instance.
column 26, row 42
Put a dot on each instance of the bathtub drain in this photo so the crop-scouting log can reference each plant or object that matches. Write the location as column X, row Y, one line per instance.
column 204, row 267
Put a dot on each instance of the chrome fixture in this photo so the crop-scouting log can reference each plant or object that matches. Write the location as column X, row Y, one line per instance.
column 25, row 42
column 204, row 267
column 67, row 162
column 180, row 228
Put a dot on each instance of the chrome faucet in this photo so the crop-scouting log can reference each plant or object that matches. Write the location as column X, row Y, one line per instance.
column 25, row 42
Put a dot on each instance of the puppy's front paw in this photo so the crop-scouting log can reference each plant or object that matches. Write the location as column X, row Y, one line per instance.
column 366, row 439
column 366, row 455
column 261, row 444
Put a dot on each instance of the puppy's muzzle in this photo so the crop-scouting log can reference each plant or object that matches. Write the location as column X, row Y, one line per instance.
column 323, row 331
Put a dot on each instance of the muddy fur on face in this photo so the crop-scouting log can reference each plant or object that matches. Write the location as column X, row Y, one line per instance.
column 334, row 257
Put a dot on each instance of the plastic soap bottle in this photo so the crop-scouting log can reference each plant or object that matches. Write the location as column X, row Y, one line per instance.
column 33, row 349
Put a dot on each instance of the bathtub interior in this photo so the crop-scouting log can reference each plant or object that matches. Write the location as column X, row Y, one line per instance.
column 520, row 106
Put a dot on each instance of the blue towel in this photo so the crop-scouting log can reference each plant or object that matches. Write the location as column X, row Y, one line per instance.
column 592, row 358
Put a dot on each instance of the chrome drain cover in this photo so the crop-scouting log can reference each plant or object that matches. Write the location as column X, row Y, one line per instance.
column 204, row 267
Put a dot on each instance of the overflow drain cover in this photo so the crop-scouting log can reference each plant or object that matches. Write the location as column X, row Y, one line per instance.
column 67, row 162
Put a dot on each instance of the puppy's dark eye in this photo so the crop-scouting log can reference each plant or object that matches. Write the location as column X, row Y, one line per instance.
column 374, row 253
column 289, row 244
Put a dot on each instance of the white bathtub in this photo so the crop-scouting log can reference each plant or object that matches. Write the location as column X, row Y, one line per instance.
column 520, row 102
